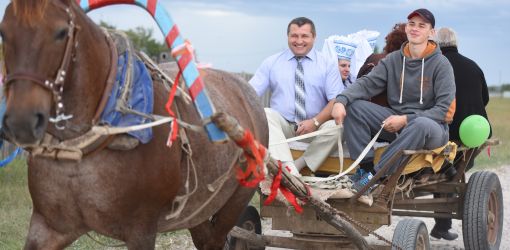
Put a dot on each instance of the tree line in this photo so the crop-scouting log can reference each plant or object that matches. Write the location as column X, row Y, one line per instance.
column 142, row 40
column 502, row 88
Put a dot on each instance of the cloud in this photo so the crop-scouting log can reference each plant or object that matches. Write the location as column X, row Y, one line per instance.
column 216, row 13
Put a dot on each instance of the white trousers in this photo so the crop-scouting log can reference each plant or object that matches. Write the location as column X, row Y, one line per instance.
column 320, row 146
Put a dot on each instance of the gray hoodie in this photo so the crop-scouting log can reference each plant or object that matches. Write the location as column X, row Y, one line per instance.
column 427, row 88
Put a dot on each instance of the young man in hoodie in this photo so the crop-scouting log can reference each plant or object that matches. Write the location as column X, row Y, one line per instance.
column 421, row 95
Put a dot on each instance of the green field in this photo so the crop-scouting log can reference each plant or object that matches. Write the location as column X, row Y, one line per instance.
column 15, row 204
column 498, row 112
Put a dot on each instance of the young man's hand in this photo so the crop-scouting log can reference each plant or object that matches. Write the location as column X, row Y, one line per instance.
column 338, row 113
column 395, row 123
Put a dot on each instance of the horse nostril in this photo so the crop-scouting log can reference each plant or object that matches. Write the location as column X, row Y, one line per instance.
column 39, row 122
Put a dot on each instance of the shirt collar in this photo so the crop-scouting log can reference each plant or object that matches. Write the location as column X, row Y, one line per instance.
column 312, row 55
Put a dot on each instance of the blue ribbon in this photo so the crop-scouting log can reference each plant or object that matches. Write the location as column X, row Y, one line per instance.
column 9, row 158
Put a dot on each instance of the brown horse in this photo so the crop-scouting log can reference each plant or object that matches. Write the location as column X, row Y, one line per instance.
column 125, row 195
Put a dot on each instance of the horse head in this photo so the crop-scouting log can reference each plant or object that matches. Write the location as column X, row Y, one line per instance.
column 45, row 70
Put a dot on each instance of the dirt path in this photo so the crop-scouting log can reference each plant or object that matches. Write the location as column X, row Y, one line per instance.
column 504, row 177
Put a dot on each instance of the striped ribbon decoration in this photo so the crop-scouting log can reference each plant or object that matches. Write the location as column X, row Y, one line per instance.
column 185, row 61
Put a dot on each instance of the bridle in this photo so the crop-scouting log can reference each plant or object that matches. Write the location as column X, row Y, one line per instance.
column 56, row 86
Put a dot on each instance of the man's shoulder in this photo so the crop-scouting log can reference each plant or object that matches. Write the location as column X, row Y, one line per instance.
column 392, row 56
column 323, row 61
column 467, row 60
column 278, row 56
column 320, row 57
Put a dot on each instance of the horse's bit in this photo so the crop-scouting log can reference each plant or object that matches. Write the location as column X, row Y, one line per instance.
column 56, row 86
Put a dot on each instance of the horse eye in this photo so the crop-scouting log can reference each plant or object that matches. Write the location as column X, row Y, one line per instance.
column 61, row 34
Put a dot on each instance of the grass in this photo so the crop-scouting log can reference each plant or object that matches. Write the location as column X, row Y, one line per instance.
column 498, row 112
column 16, row 206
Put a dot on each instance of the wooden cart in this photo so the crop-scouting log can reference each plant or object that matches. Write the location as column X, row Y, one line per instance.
column 477, row 202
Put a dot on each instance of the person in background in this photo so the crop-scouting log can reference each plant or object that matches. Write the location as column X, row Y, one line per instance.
column 344, row 51
column 394, row 41
column 344, row 65
column 421, row 96
column 303, row 85
column 472, row 97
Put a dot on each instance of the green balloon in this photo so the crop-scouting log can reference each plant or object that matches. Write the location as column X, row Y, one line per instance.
column 474, row 130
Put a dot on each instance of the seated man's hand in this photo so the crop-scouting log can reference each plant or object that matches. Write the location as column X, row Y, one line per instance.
column 395, row 123
column 305, row 127
column 338, row 113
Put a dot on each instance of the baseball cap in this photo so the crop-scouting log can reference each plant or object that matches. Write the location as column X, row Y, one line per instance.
column 425, row 14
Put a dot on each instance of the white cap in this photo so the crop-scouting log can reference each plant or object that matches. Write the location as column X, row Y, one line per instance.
column 370, row 35
column 344, row 48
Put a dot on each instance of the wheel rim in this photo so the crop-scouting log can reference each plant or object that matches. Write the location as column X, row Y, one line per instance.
column 492, row 219
column 420, row 243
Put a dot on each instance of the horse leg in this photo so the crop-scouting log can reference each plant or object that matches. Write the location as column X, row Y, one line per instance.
column 141, row 235
column 42, row 236
column 212, row 234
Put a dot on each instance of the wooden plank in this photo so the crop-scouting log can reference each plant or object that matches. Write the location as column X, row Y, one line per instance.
column 310, row 221
column 426, row 215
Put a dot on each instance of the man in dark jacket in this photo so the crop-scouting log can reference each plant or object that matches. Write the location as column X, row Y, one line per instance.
column 472, row 96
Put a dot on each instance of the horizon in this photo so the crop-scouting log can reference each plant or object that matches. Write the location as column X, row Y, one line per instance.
column 237, row 36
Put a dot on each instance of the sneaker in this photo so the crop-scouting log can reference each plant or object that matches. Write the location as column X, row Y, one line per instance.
column 363, row 181
column 365, row 198
column 356, row 176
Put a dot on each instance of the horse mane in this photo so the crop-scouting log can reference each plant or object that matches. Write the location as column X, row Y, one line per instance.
column 29, row 11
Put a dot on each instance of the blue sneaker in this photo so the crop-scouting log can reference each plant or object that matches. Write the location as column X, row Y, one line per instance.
column 363, row 181
column 356, row 176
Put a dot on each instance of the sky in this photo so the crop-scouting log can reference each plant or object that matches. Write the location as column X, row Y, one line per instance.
column 237, row 36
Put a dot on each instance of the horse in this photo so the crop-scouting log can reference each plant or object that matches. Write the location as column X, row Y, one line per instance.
column 131, row 194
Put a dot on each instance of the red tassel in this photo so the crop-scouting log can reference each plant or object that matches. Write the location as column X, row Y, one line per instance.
column 276, row 185
column 255, row 162
column 174, row 126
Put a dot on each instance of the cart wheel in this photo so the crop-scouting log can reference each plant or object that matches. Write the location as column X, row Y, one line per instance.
column 249, row 220
column 411, row 234
column 482, row 221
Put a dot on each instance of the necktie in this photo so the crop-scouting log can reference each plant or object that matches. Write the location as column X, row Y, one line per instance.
column 300, row 92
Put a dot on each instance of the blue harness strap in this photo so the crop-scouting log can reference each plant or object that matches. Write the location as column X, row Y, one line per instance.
column 10, row 157
column 141, row 98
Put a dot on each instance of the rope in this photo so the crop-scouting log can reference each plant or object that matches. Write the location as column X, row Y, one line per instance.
column 317, row 133
column 315, row 180
column 104, row 244
column 159, row 120
column 309, row 135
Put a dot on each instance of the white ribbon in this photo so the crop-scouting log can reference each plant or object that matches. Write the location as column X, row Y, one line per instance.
column 313, row 180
